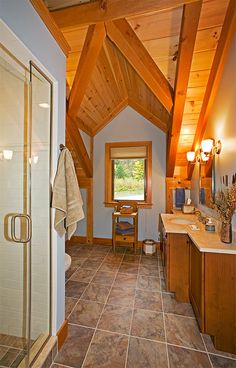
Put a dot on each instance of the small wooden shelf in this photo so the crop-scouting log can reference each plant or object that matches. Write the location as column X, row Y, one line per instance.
column 125, row 238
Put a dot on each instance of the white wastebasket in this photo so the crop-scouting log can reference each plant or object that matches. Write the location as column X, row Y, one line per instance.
column 149, row 246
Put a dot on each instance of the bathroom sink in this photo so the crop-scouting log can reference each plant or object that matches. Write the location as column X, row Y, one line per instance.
column 181, row 221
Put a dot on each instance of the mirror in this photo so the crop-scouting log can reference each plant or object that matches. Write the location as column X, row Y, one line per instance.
column 207, row 182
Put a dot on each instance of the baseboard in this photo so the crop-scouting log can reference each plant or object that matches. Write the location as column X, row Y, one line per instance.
column 62, row 334
column 99, row 241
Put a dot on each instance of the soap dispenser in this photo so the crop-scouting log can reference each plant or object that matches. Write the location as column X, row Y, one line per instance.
column 209, row 225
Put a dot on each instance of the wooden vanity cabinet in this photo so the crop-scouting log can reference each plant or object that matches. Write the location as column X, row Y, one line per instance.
column 213, row 296
column 196, row 281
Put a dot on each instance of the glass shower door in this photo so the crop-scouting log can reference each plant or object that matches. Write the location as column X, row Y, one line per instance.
column 25, row 244
column 14, row 220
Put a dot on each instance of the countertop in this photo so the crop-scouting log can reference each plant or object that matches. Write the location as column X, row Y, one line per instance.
column 205, row 241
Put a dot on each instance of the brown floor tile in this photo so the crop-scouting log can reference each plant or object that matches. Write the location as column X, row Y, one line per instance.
column 9, row 357
column 149, row 283
column 171, row 305
column 148, row 270
column 184, row 358
column 109, row 267
column 104, row 277
column 146, row 354
column 57, row 366
column 75, row 347
column 70, row 272
column 130, row 250
column 107, row 351
column 83, row 275
column 150, row 300
column 152, row 261
column 116, row 319
column 75, row 289
column 163, row 285
column 183, row 331
column 13, row 341
column 125, row 280
column 130, row 258
column 91, row 264
column 128, row 268
column 121, row 296
column 69, row 304
column 148, row 324
column 222, row 362
column 96, row 292
column 210, row 347
column 114, row 257
column 75, row 261
column 19, row 358
column 3, row 350
column 86, row 313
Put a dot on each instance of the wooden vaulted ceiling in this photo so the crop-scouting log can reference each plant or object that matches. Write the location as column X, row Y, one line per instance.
column 163, row 58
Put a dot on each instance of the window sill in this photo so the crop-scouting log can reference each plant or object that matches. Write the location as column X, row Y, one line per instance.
column 140, row 204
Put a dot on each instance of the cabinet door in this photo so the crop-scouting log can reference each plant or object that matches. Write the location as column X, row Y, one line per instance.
column 196, row 292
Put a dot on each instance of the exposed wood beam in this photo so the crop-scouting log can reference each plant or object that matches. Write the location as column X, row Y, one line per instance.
column 111, row 116
column 88, row 59
column 147, row 114
column 225, row 41
column 86, row 14
column 78, row 146
column 189, row 26
column 80, row 124
column 51, row 25
column 122, row 34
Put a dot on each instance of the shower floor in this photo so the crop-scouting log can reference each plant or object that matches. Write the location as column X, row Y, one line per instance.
column 12, row 350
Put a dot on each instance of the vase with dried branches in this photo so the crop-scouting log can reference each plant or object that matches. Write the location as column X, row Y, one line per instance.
column 225, row 204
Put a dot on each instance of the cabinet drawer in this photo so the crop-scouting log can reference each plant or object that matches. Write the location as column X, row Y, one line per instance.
column 125, row 238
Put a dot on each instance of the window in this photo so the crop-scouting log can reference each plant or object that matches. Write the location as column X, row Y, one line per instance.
column 128, row 172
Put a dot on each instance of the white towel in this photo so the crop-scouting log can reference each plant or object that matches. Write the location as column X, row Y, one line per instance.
column 66, row 198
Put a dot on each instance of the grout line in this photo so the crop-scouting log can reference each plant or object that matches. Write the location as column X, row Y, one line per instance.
column 206, row 350
column 187, row 347
column 99, row 319
column 164, row 323
column 132, row 315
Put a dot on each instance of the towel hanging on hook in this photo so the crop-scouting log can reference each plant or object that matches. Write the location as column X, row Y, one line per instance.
column 62, row 147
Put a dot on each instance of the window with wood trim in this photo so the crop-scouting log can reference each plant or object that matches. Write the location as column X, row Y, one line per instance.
column 128, row 172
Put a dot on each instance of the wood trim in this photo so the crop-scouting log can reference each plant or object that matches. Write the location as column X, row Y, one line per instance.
column 189, row 26
column 173, row 183
column 78, row 146
column 121, row 106
column 86, row 14
column 88, row 59
column 100, row 241
column 122, row 34
column 226, row 36
column 154, row 119
column 108, row 170
column 62, row 334
column 51, row 25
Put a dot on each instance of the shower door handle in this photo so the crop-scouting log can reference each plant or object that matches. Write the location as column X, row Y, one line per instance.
column 13, row 228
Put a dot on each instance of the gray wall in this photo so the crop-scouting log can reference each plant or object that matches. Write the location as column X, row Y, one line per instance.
column 222, row 125
column 130, row 126
column 22, row 19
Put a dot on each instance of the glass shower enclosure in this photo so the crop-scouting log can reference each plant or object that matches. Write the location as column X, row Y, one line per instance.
column 25, row 240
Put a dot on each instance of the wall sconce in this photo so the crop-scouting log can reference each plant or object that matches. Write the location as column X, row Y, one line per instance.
column 208, row 149
column 6, row 154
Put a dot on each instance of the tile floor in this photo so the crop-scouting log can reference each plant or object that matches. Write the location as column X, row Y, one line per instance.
column 11, row 350
column 120, row 316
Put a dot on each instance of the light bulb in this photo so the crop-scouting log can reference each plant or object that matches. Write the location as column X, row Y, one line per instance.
column 190, row 156
column 207, row 145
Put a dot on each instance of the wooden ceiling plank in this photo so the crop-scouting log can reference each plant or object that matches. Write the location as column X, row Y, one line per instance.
column 121, row 33
column 91, row 49
column 51, row 25
column 79, row 148
column 189, row 26
column 92, row 13
column 227, row 33
column 115, row 68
